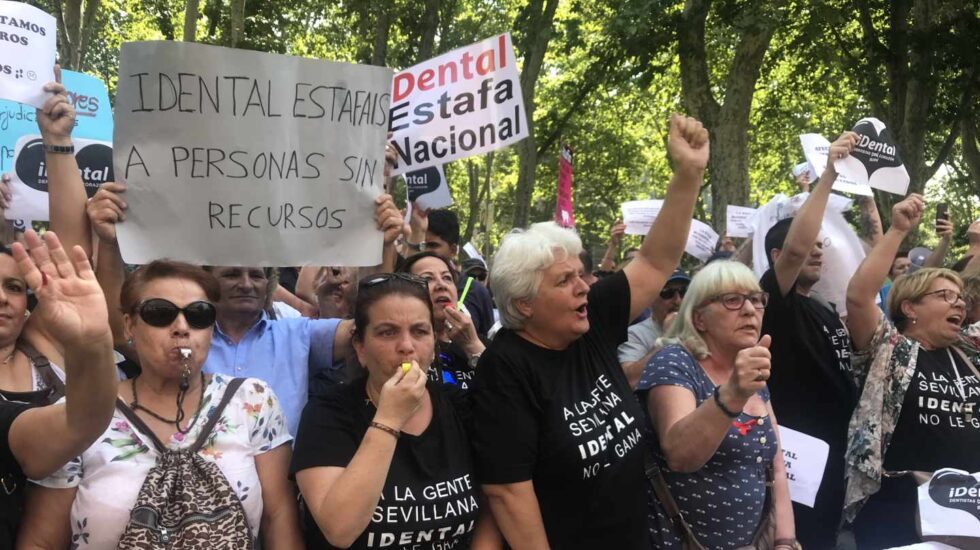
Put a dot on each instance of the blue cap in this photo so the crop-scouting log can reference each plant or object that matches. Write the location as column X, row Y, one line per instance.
column 678, row 275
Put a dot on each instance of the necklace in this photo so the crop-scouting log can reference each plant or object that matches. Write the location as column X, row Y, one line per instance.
column 135, row 405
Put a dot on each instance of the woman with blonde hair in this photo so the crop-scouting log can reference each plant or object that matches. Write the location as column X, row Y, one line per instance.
column 918, row 406
column 713, row 433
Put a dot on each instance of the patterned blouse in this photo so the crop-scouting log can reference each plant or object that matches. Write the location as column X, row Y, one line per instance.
column 110, row 473
column 885, row 369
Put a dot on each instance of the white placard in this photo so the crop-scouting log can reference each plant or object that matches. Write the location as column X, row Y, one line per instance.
column 639, row 216
column 29, row 177
column 805, row 458
column 737, row 224
column 875, row 160
column 27, row 49
column 428, row 188
column 805, row 168
column 234, row 157
column 472, row 252
column 816, row 148
column 459, row 104
column 949, row 505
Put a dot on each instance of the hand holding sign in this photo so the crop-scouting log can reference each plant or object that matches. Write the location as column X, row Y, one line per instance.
column 875, row 159
column 841, row 148
column 56, row 118
column 688, row 144
column 907, row 214
column 388, row 219
column 106, row 209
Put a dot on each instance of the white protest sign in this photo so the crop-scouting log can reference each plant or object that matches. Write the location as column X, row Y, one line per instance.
column 235, row 157
column 805, row 168
column 949, row 505
column 462, row 103
column 816, row 148
column 472, row 252
column 639, row 216
column 428, row 188
column 805, row 458
column 875, row 160
column 27, row 49
column 29, row 179
column 737, row 223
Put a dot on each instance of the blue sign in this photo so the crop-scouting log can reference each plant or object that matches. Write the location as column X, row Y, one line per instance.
column 86, row 93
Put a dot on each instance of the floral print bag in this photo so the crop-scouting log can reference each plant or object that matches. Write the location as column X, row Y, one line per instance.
column 186, row 503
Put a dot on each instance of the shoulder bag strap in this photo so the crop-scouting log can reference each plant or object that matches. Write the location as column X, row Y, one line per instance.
column 206, row 430
column 136, row 421
column 969, row 364
column 660, row 488
column 43, row 367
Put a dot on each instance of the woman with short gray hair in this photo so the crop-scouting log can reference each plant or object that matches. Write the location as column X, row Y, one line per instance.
column 556, row 431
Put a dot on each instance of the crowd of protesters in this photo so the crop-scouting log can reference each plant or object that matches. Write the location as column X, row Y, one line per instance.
column 433, row 403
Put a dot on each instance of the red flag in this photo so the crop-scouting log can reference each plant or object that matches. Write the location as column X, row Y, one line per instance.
column 563, row 206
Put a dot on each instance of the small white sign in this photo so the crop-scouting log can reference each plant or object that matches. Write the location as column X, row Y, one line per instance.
column 428, row 188
column 27, row 48
column 701, row 240
column 639, row 215
column 805, row 458
column 738, row 224
column 472, row 252
column 816, row 148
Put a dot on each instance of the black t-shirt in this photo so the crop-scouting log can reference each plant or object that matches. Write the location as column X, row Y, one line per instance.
column 11, row 477
column 811, row 384
column 567, row 420
column 937, row 428
column 452, row 366
column 430, row 497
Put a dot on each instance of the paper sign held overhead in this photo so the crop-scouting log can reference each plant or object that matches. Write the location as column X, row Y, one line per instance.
column 875, row 160
column 27, row 49
column 639, row 216
column 428, row 188
column 462, row 103
column 738, row 224
column 29, row 178
column 816, row 149
column 254, row 159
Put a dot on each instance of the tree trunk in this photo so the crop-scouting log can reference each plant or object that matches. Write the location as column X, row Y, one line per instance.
column 430, row 24
column 190, row 20
column 534, row 45
column 971, row 151
column 728, row 123
column 379, row 53
column 237, row 23
column 478, row 193
column 75, row 29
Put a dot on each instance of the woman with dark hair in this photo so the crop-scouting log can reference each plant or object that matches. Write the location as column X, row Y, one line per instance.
column 169, row 313
column 458, row 347
column 385, row 460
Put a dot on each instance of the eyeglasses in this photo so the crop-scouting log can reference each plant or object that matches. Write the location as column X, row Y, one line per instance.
column 386, row 277
column 950, row 296
column 668, row 293
column 158, row 312
column 734, row 301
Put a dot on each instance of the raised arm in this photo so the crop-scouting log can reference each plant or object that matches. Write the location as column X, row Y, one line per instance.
column 805, row 228
column 871, row 230
column 662, row 249
column 66, row 192
column 938, row 257
column 862, row 311
column 608, row 262
column 72, row 307
column 105, row 210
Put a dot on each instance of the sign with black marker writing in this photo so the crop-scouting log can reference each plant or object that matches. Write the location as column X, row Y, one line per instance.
column 461, row 103
column 234, row 157
column 875, row 160
column 27, row 47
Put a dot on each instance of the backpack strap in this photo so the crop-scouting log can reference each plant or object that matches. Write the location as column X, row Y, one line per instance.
column 681, row 528
column 216, row 415
column 43, row 367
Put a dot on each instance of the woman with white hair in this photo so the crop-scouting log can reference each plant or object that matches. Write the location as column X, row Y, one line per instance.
column 556, row 430
column 716, row 478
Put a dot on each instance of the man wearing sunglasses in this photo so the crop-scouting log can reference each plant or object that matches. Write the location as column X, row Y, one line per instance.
column 811, row 387
column 636, row 351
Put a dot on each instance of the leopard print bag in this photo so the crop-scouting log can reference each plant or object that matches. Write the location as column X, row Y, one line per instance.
column 186, row 503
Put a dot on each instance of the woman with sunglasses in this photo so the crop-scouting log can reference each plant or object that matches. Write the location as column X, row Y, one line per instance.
column 919, row 403
column 713, row 432
column 385, row 460
column 169, row 315
column 458, row 347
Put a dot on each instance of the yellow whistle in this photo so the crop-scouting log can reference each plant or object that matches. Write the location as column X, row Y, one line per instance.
column 406, row 367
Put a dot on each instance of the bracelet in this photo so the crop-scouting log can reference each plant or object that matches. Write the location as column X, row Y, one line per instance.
column 386, row 429
column 413, row 246
column 793, row 544
column 59, row 149
column 722, row 406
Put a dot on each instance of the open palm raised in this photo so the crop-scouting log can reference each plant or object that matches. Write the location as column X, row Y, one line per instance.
column 71, row 305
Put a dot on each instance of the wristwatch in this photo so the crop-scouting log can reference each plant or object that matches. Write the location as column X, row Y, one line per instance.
column 416, row 246
column 59, row 149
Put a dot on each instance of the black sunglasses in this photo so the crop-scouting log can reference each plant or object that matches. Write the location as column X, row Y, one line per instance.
column 380, row 278
column 158, row 312
column 668, row 293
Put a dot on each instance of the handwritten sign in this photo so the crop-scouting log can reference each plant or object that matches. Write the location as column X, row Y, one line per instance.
column 805, row 457
column 29, row 180
column 816, row 149
column 428, row 188
column 235, row 157
column 875, row 160
column 639, row 216
column 462, row 103
column 737, row 223
column 27, row 48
